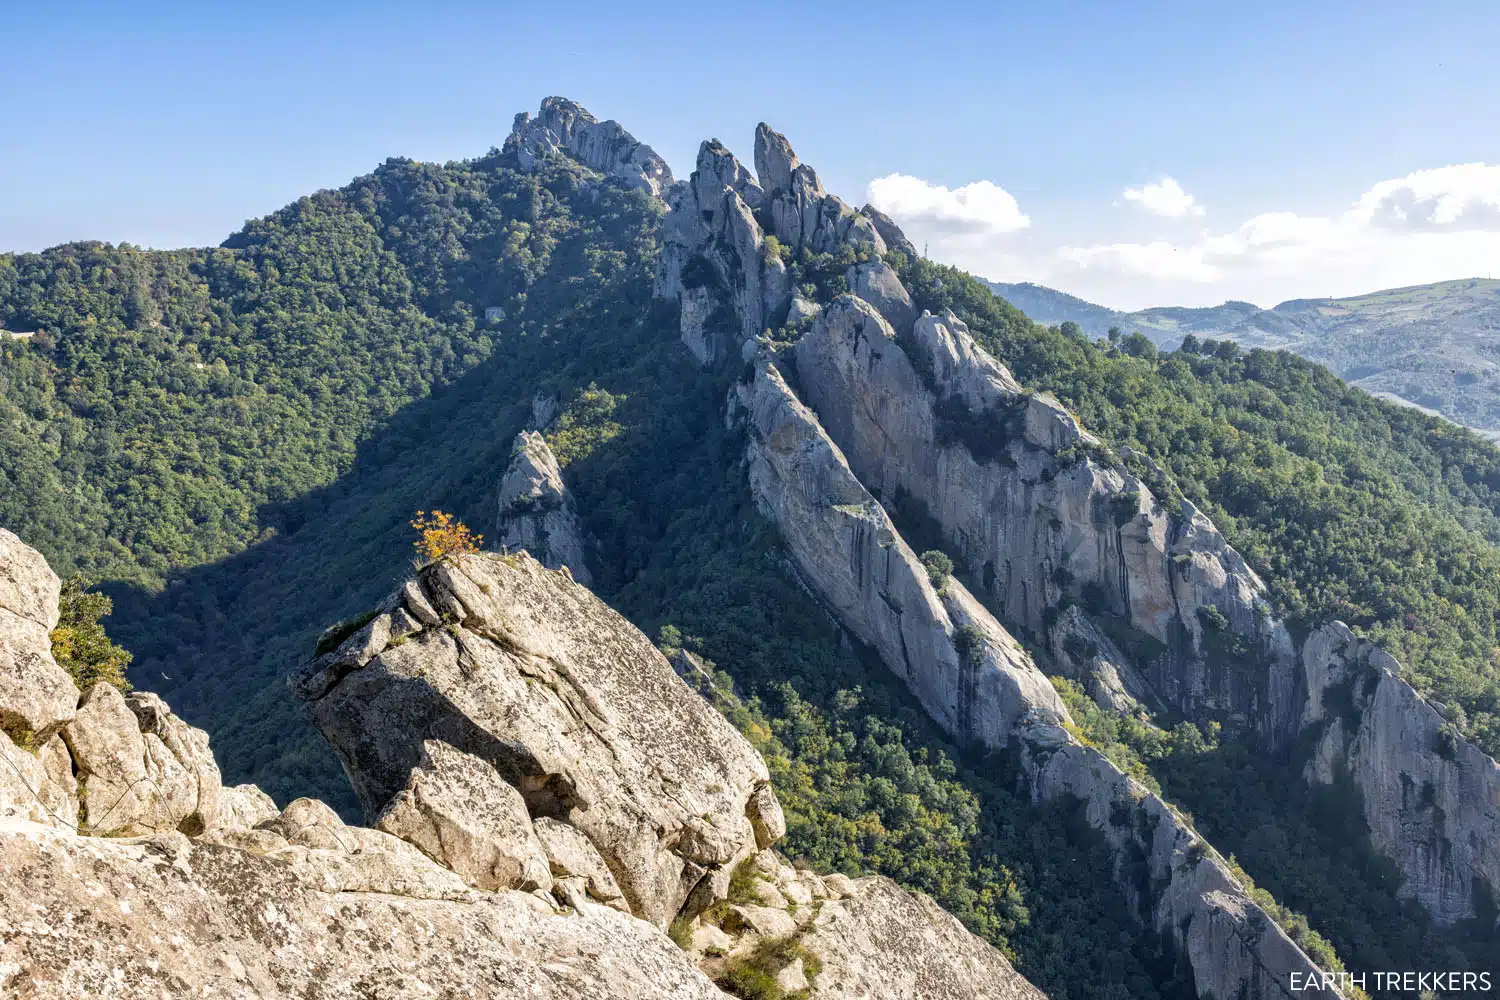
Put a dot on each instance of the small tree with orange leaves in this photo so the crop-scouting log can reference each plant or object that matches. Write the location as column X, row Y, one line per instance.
column 443, row 534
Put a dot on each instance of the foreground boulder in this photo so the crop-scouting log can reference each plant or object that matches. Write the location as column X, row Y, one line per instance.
column 605, row 779
column 846, row 939
column 169, row 916
column 563, row 699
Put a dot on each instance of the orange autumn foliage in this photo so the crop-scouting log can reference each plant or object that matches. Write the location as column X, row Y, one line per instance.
column 443, row 534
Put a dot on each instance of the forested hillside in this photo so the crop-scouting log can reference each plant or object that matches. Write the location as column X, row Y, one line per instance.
column 1430, row 345
column 233, row 440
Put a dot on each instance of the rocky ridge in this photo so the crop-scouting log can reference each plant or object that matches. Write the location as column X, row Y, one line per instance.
column 563, row 126
column 1141, row 599
column 859, row 401
column 536, row 847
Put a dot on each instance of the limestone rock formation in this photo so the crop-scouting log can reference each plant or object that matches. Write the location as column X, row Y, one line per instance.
column 568, row 703
column 143, row 772
column 464, row 816
column 638, row 786
column 890, row 233
column 245, row 807
column 970, row 676
column 536, row 511
column 978, row 683
column 37, row 697
column 1431, row 799
column 1084, row 653
column 562, row 125
column 576, row 865
column 840, row 938
column 1046, row 527
column 719, row 269
column 1037, row 519
column 169, row 916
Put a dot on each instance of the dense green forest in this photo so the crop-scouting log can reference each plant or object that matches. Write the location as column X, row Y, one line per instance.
column 235, row 439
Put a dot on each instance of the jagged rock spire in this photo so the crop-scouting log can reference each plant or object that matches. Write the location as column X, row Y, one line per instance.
column 564, row 125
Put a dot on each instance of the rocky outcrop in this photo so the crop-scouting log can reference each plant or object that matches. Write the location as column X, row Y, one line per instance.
column 838, row 938
column 1085, row 653
column 1431, row 799
column 564, row 700
column 979, row 684
column 1034, row 516
column 464, row 816
column 716, row 264
column 969, row 674
column 1176, row 881
column 171, row 916
column 536, row 511
column 1152, row 609
column 563, row 126
column 601, row 776
column 37, row 697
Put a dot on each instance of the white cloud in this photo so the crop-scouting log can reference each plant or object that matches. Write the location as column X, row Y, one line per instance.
column 978, row 208
column 1430, row 225
column 1165, row 198
column 1463, row 196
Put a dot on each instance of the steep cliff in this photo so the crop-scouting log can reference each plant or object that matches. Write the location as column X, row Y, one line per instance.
column 536, row 511
column 561, row 125
column 1048, row 524
column 517, row 859
column 981, row 686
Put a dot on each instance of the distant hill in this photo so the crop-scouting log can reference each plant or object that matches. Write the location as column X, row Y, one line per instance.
column 1434, row 346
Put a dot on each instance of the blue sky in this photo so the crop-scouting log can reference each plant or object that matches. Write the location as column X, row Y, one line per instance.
column 1248, row 133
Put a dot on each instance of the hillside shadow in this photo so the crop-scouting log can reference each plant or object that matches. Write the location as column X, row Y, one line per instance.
column 218, row 639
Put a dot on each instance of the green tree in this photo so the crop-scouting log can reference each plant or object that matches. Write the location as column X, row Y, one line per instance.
column 79, row 642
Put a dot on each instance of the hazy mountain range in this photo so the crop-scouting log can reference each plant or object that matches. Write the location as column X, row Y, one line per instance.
column 1435, row 346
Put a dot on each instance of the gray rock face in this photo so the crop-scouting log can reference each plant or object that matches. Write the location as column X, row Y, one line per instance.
column 1086, row 654
column 876, row 283
column 536, row 511
column 1043, row 529
column 715, row 261
column 245, row 807
column 571, row 705
column 37, row 697
column 133, row 783
column 33, row 787
column 868, row 937
column 890, row 233
column 854, row 936
column 1233, row 947
column 464, row 816
column 644, row 796
column 732, row 287
column 1431, row 799
column 1037, row 525
column 169, row 916
column 572, row 856
column 563, row 126
column 976, row 684
column 189, row 748
column 971, row 676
